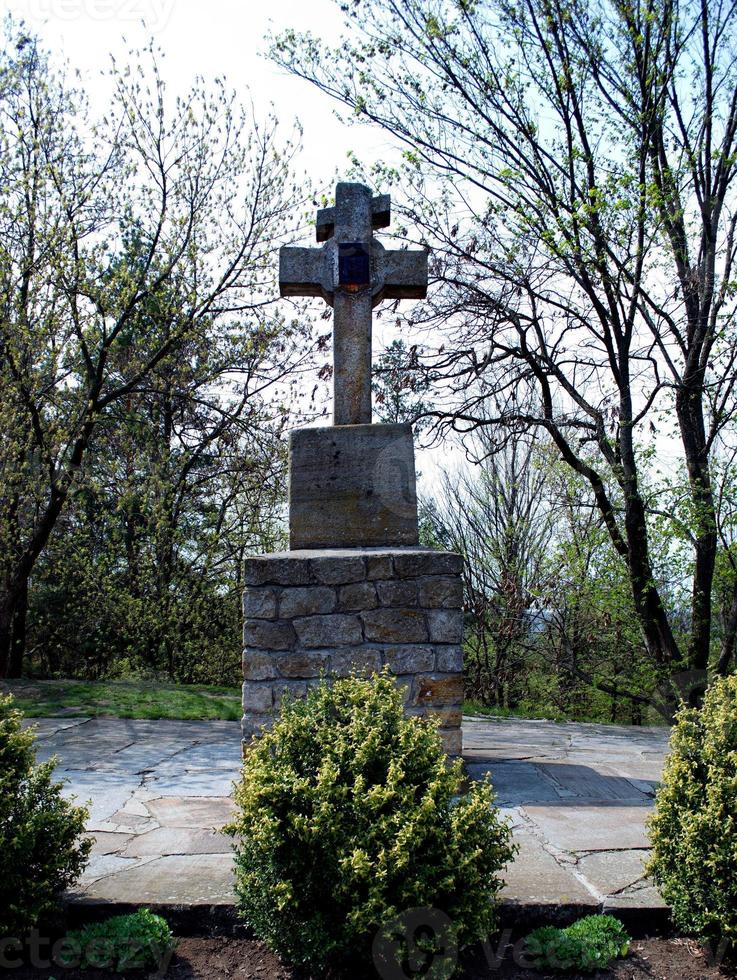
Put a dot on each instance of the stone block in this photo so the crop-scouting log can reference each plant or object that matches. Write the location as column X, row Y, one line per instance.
column 294, row 688
column 441, row 592
column 309, row 600
column 259, row 603
column 257, row 697
column 259, row 665
column 409, row 659
column 447, row 715
column 439, row 689
column 405, row 683
column 449, row 659
column 268, row 635
column 337, row 630
column 304, row 663
column 445, row 625
column 363, row 661
column 394, row 593
column 358, row 596
column 352, row 486
column 252, row 727
column 338, row 570
column 414, row 564
column 394, row 626
column 452, row 739
column 268, row 570
column 379, row 566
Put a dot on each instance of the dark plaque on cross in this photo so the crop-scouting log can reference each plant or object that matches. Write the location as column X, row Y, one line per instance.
column 353, row 272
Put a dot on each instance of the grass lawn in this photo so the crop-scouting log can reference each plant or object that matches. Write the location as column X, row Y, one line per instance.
column 124, row 699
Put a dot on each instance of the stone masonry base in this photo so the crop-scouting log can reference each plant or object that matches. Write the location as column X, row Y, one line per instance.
column 333, row 612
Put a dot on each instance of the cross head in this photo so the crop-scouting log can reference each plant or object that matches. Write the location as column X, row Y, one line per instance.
column 352, row 272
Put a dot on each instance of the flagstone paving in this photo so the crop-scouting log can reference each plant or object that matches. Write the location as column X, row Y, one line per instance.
column 577, row 796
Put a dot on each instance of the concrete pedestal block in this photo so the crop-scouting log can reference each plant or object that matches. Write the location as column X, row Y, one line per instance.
column 352, row 486
column 332, row 612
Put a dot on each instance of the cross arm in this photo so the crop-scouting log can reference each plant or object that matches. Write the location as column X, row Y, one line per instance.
column 405, row 274
column 380, row 217
column 300, row 271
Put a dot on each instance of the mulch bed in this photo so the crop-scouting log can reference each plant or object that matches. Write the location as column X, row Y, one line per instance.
column 245, row 959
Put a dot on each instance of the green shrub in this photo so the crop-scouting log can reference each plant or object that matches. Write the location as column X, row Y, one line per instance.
column 694, row 828
column 41, row 849
column 350, row 814
column 589, row 944
column 140, row 941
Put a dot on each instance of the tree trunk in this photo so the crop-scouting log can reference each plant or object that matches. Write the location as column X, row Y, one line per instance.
column 6, row 619
column 18, row 632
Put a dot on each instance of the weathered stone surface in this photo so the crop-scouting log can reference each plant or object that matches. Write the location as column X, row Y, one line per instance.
column 338, row 570
column 593, row 828
column 536, row 878
column 449, row 659
column 303, row 663
column 360, row 661
column 257, row 696
column 352, row 272
column 258, row 665
column 443, row 591
column 295, row 689
column 405, row 683
column 268, row 635
column 445, row 625
column 409, row 659
column 358, row 596
column 192, row 811
column 379, row 566
column 352, row 486
column 439, row 689
column 339, row 630
column 449, row 715
column 413, row 564
column 397, row 593
column 452, row 739
column 259, row 603
column 268, row 570
column 306, row 601
column 395, row 626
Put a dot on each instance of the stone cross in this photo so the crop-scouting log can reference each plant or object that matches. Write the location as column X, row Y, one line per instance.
column 353, row 272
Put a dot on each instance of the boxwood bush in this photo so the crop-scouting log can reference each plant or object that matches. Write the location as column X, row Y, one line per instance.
column 41, row 847
column 349, row 815
column 694, row 826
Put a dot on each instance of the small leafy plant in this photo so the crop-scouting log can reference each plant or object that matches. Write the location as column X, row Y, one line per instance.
column 350, row 815
column 140, row 941
column 694, row 827
column 589, row 944
column 41, row 844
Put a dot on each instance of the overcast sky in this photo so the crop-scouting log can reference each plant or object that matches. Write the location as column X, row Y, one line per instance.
column 210, row 38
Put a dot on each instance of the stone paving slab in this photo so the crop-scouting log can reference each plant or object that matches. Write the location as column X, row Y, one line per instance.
column 577, row 796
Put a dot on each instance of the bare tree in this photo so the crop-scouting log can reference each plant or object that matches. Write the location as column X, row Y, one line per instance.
column 572, row 164
column 119, row 240
column 495, row 512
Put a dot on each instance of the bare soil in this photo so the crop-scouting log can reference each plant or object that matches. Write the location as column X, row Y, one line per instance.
column 244, row 959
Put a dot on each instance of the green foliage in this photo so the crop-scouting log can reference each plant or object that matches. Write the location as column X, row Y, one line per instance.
column 350, row 814
column 694, row 827
column 127, row 699
column 40, row 832
column 590, row 943
column 141, row 941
